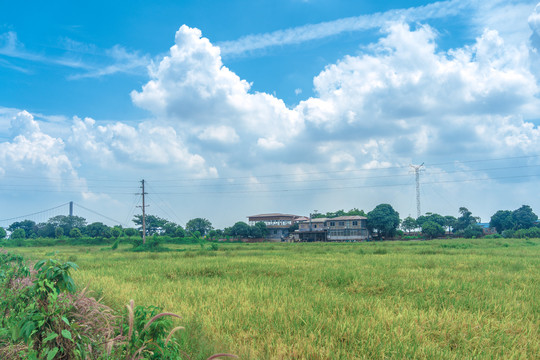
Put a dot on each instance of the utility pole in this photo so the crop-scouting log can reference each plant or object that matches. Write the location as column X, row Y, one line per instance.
column 143, row 213
column 417, row 175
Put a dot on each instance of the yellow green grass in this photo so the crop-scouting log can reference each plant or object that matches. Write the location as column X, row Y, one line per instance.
column 447, row 299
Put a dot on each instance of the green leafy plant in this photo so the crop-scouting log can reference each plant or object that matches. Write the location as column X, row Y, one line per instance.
column 44, row 318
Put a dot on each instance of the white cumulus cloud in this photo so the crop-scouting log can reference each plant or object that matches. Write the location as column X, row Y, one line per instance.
column 193, row 89
column 34, row 153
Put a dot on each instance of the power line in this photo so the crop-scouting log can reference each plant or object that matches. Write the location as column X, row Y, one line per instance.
column 15, row 186
column 33, row 214
column 96, row 213
column 161, row 180
column 348, row 187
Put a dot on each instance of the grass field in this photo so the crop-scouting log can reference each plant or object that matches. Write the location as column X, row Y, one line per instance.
column 444, row 299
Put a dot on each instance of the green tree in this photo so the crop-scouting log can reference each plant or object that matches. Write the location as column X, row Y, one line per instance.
column 153, row 223
column 75, row 233
column 524, row 217
column 179, row 232
column 291, row 228
column 473, row 231
column 436, row 218
column 465, row 219
column 116, row 232
column 45, row 230
column 450, row 222
column 432, row 230
column 67, row 222
column 355, row 212
column 203, row 226
column 28, row 226
column 240, row 229
column 130, row 232
column 259, row 230
column 2, row 233
column 502, row 220
column 97, row 229
column 58, row 232
column 264, row 230
column 18, row 233
column 408, row 224
column 384, row 219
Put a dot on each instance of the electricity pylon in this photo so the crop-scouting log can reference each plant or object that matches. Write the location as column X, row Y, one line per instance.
column 417, row 175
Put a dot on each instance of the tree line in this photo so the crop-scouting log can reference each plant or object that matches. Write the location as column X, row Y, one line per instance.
column 383, row 222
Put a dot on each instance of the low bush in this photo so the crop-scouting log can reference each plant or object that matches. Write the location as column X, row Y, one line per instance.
column 43, row 317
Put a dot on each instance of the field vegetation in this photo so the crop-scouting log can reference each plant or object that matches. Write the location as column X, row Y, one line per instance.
column 443, row 299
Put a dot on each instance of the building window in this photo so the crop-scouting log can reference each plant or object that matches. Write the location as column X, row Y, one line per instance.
column 355, row 223
column 342, row 223
column 332, row 223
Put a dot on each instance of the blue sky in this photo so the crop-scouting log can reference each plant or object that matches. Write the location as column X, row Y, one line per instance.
column 240, row 107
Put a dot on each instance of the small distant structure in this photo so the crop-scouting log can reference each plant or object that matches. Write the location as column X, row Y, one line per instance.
column 486, row 229
column 341, row 228
column 277, row 224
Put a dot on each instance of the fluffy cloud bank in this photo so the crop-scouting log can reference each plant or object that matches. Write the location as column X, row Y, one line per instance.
column 34, row 153
column 417, row 99
column 400, row 99
column 147, row 145
column 193, row 89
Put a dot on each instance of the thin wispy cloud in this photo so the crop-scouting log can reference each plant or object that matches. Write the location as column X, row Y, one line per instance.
column 321, row 30
column 11, row 47
column 123, row 61
column 95, row 63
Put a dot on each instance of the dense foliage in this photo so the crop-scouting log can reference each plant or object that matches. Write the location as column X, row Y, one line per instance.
column 383, row 220
column 44, row 317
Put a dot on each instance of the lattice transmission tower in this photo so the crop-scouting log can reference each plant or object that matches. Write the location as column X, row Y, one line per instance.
column 417, row 176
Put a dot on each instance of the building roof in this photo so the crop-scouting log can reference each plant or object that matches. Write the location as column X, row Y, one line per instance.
column 273, row 215
column 353, row 217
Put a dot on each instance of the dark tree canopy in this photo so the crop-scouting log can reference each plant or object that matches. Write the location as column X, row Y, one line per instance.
column 465, row 219
column 18, row 234
column 384, row 219
column 28, row 226
column 67, row 222
column 153, row 223
column 524, row 217
column 408, row 224
column 333, row 214
column 473, row 231
column 203, row 226
column 240, row 229
column 502, row 220
column 98, row 229
column 450, row 222
column 436, row 218
column 431, row 229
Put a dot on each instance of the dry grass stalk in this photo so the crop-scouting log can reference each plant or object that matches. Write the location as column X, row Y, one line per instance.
column 172, row 332
column 131, row 320
column 12, row 351
column 217, row 356
column 159, row 316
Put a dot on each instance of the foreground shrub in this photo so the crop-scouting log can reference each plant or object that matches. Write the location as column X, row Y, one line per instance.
column 43, row 317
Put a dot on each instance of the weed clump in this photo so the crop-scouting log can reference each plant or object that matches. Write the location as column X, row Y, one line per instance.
column 42, row 316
